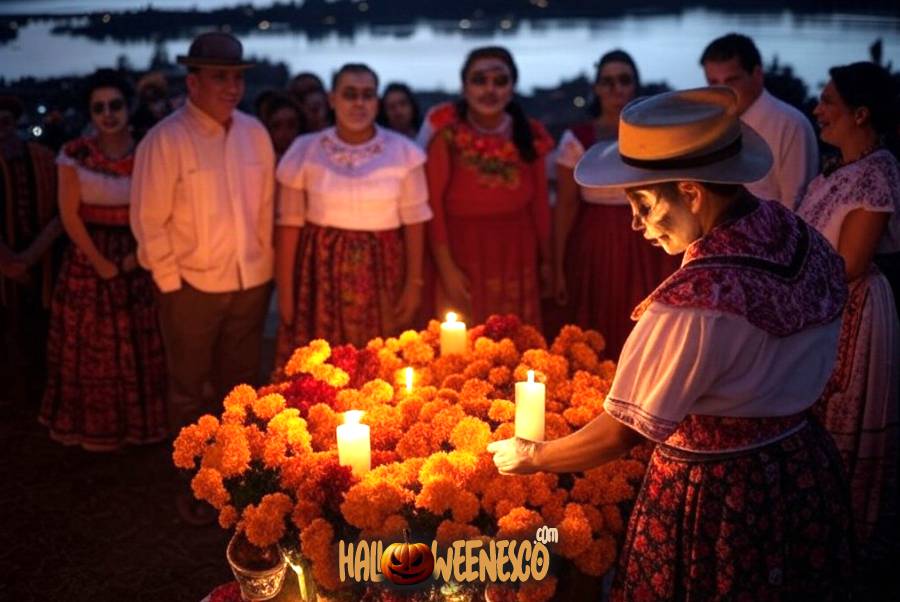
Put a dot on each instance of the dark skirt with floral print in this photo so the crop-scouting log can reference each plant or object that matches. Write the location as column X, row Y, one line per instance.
column 346, row 284
column 769, row 523
column 106, row 381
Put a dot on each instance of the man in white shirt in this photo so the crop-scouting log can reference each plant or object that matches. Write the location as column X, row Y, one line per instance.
column 202, row 213
column 734, row 61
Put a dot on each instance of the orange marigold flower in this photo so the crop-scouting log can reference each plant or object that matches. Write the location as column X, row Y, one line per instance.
column 304, row 513
column 230, row 454
column 540, row 487
column 612, row 519
column 377, row 391
column 471, row 434
column 432, row 408
column 594, row 517
column 554, row 509
column 504, row 431
column 416, row 442
column 437, row 494
column 502, row 410
column 189, row 445
column 393, row 344
column 305, row 358
column 239, row 398
column 519, row 523
column 264, row 524
column 418, row 353
column 529, row 337
column 369, row 502
column 228, row 516
column 275, row 451
column 446, row 365
column 450, row 530
column 478, row 369
column 234, row 416
column 386, row 426
column 409, row 408
column 390, row 530
column 537, row 591
column 267, row 406
column 322, row 423
column 208, row 486
column 505, row 488
column 330, row 374
column 444, row 422
column 598, row 557
column 555, row 426
column 256, row 441
column 465, row 507
column 289, row 426
column 458, row 466
column 579, row 416
column 574, row 532
column 453, row 381
column 500, row 376
column 595, row 340
column 482, row 474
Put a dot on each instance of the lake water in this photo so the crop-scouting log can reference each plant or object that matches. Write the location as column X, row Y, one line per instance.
column 427, row 55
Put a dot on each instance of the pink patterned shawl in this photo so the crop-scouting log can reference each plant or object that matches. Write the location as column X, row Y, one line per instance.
column 768, row 266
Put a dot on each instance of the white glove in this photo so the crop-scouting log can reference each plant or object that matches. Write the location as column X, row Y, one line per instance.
column 515, row 455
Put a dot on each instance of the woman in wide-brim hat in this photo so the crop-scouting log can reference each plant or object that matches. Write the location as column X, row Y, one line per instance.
column 744, row 497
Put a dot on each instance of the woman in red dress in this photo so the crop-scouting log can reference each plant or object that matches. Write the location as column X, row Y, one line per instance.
column 490, row 236
column 106, row 381
column 603, row 267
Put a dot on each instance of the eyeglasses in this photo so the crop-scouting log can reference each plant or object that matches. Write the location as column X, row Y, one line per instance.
column 623, row 79
column 352, row 94
column 480, row 79
column 115, row 105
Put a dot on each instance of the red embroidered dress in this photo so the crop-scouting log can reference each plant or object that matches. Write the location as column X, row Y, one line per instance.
column 106, row 383
column 609, row 267
column 744, row 497
column 491, row 209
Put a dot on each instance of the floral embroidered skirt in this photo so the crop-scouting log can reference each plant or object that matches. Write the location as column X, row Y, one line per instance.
column 861, row 403
column 346, row 283
column 499, row 254
column 106, row 383
column 768, row 523
column 610, row 269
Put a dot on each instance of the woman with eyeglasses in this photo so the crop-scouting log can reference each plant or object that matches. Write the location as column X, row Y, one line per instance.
column 350, row 215
column 603, row 267
column 106, row 382
column 490, row 237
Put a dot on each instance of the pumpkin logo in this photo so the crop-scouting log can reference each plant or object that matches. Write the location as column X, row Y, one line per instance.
column 407, row 563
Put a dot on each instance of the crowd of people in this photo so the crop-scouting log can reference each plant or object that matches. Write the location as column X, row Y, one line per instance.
column 138, row 265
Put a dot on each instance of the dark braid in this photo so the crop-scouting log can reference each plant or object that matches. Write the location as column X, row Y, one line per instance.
column 523, row 137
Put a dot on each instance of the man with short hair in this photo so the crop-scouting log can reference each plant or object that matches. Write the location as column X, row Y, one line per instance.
column 734, row 61
column 202, row 213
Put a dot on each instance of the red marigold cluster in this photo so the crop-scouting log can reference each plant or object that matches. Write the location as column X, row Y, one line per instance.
column 306, row 391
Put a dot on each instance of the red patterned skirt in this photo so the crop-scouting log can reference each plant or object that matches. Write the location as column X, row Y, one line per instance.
column 499, row 254
column 771, row 522
column 610, row 269
column 346, row 283
column 106, row 371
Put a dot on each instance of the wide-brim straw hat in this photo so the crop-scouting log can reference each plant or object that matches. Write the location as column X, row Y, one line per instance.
column 683, row 135
column 215, row 49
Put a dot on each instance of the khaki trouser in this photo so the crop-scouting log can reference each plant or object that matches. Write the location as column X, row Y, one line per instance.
column 210, row 337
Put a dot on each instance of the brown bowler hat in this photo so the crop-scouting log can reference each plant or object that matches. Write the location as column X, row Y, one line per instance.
column 215, row 49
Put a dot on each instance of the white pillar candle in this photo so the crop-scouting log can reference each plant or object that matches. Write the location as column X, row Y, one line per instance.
column 409, row 379
column 354, row 449
column 530, row 409
column 453, row 335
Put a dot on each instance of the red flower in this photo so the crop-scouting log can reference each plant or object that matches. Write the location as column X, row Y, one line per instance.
column 501, row 327
column 306, row 392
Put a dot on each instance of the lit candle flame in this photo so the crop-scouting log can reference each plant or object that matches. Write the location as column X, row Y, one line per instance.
column 531, row 376
column 352, row 416
column 409, row 379
column 451, row 316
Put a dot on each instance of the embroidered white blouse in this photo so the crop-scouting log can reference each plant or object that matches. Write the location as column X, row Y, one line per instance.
column 680, row 361
column 98, row 188
column 377, row 185
column 872, row 183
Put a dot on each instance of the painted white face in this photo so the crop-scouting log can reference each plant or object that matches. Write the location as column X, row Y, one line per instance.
column 488, row 86
column 665, row 222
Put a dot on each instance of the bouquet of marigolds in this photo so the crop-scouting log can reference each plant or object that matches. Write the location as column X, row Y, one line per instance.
column 269, row 464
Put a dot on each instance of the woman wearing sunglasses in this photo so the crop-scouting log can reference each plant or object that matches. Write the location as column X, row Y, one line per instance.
column 349, row 235
column 603, row 267
column 490, row 237
column 106, row 379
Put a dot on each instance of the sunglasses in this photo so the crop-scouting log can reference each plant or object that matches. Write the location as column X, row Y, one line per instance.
column 623, row 79
column 352, row 94
column 480, row 79
column 114, row 106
